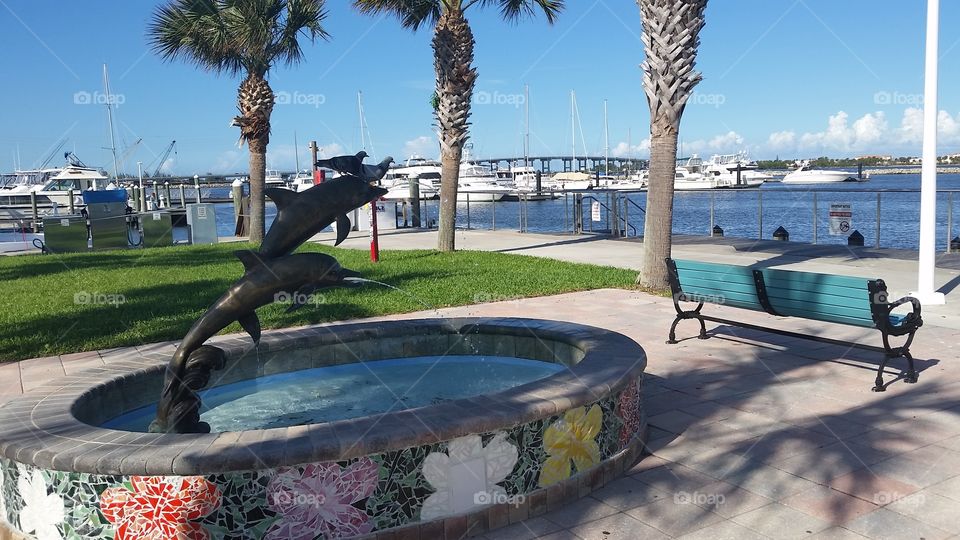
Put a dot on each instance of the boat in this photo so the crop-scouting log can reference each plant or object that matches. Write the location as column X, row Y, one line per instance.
column 734, row 171
column 301, row 181
column 479, row 184
column 425, row 172
column 274, row 179
column 571, row 180
column 76, row 177
column 16, row 187
column 522, row 180
column 809, row 175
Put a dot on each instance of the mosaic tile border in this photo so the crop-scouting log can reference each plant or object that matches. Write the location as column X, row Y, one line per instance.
column 527, row 436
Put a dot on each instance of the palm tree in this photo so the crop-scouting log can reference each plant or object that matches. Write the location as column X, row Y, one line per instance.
column 671, row 30
column 453, row 44
column 240, row 37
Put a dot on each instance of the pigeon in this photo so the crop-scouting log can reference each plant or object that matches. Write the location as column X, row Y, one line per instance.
column 352, row 165
column 375, row 173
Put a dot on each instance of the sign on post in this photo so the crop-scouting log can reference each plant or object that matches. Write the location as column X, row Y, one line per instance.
column 595, row 211
column 841, row 219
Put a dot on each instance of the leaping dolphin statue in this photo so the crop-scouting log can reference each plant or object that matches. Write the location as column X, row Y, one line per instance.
column 296, row 276
column 302, row 215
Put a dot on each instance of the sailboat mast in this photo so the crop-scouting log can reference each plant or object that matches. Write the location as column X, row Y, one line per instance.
column 363, row 141
column 296, row 152
column 526, row 138
column 606, row 140
column 573, row 128
column 113, row 142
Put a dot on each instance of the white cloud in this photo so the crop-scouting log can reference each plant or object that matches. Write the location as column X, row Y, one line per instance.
column 421, row 146
column 728, row 142
column 782, row 140
column 623, row 149
column 330, row 150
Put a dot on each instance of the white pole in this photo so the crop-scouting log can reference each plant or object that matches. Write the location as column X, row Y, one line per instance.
column 606, row 141
column 926, row 292
column 143, row 194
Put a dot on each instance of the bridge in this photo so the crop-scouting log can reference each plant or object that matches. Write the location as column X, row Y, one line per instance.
column 570, row 163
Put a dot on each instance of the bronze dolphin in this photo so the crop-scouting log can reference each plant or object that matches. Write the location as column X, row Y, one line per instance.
column 264, row 282
column 302, row 215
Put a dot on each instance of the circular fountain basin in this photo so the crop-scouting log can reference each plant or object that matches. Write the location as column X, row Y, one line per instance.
column 497, row 434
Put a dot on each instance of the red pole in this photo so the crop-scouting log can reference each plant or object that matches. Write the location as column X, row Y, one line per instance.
column 374, row 237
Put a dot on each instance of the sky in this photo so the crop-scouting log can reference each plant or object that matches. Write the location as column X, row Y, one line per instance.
column 782, row 78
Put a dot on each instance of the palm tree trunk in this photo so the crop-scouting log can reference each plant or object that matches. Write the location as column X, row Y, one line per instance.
column 658, row 225
column 258, row 173
column 453, row 63
column 449, row 176
column 255, row 101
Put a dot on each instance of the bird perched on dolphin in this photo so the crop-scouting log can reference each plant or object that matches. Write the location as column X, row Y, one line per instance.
column 345, row 164
column 304, row 214
column 354, row 166
column 264, row 282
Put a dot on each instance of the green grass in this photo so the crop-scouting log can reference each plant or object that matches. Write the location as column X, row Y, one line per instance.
column 164, row 290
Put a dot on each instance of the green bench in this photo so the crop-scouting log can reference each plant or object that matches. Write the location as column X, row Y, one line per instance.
column 786, row 293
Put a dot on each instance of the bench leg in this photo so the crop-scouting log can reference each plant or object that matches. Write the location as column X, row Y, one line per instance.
column 911, row 376
column 684, row 315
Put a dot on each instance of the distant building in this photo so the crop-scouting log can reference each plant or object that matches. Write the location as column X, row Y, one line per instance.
column 885, row 159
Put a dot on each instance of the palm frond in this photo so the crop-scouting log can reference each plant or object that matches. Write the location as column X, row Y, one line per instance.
column 412, row 13
column 236, row 36
column 514, row 10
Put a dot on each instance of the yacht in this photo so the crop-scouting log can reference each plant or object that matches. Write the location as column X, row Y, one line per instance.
column 522, row 180
column 76, row 177
column 301, row 181
column 16, row 187
column 425, row 172
column 810, row 175
column 274, row 179
column 571, row 180
column 479, row 184
column 734, row 171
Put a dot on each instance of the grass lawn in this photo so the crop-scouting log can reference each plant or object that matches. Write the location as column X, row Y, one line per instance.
column 57, row 304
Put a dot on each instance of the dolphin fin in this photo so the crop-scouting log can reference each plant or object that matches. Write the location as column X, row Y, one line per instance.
column 250, row 259
column 343, row 228
column 281, row 197
column 251, row 324
column 302, row 293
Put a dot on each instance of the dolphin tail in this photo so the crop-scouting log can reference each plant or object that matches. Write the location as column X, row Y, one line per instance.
column 343, row 228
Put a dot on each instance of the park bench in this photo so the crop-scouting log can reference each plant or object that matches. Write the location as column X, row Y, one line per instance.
column 786, row 293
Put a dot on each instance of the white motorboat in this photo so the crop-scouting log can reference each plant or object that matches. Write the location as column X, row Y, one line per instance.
column 809, row 175
column 425, row 172
column 301, row 181
column 571, row 180
column 16, row 187
column 274, row 179
column 78, row 178
column 479, row 184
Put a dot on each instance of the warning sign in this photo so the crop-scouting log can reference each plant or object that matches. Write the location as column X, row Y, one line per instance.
column 595, row 211
column 841, row 219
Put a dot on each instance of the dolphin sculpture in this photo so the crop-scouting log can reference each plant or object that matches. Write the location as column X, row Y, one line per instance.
column 302, row 215
column 264, row 282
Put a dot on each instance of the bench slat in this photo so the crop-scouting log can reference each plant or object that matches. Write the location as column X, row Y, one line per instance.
column 794, row 276
column 808, row 297
column 688, row 284
column 816, row 311
column 815, row 289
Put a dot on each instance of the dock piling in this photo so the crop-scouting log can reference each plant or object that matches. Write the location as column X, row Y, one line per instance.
column 70, row 204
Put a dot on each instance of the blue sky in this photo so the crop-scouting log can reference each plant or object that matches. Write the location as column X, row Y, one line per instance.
column 788, row 78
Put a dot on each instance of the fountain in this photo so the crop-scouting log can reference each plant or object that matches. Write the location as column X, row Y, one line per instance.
column 425, row 428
